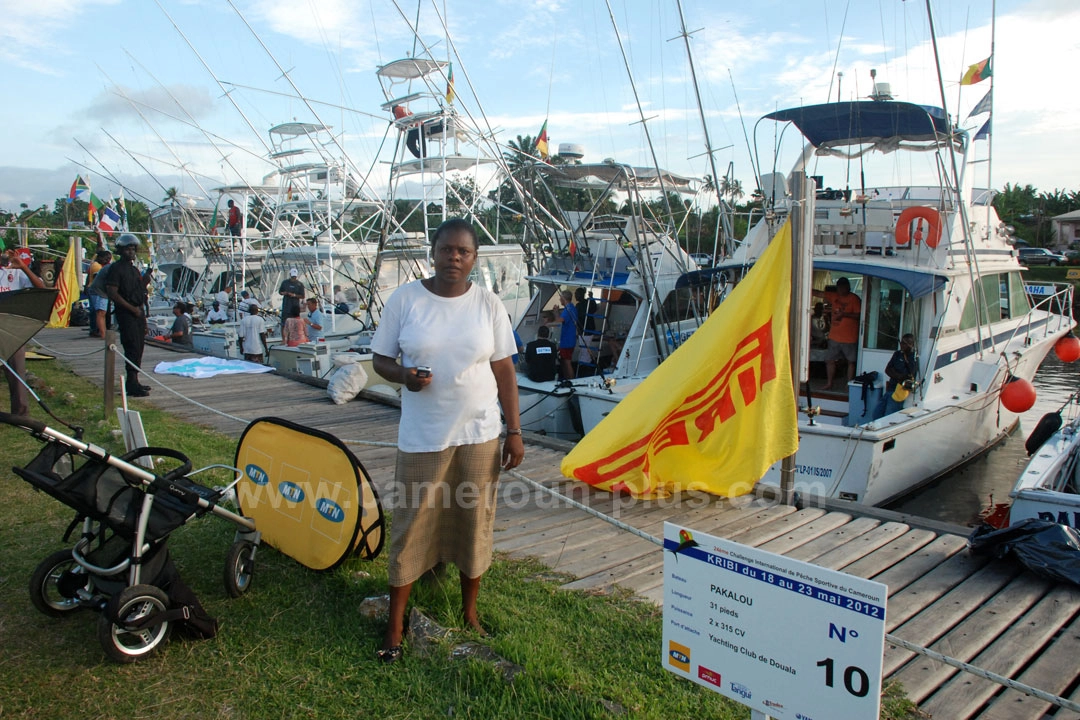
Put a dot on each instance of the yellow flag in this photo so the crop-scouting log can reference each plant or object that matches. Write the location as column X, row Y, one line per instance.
column 715, row 415
column 67, row 282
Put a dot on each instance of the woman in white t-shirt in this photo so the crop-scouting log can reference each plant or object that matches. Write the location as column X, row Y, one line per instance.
column 455, row 344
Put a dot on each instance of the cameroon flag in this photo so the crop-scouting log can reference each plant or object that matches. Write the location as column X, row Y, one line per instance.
column 716, row 414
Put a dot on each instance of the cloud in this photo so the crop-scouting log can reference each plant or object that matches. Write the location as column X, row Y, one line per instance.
column 120, row 103
column 30, row 29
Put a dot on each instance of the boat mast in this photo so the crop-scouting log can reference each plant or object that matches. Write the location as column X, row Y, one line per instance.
column 961, row 206
column 723, row 209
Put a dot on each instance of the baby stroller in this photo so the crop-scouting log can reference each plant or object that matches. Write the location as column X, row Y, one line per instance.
column 120, row 563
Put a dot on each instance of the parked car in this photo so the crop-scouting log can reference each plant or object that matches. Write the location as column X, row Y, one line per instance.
column 703, row 260
column 1040, row 256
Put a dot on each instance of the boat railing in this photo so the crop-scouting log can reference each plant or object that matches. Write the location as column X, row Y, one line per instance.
column 1059, row 302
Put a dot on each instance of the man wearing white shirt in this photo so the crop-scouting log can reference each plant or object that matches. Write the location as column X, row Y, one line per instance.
column 252, row 333
column 217, row 315
column 15, row 274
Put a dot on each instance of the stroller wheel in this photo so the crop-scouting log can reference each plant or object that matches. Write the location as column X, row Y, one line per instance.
column 121, row 631
column 55, row 582
column 239, row 568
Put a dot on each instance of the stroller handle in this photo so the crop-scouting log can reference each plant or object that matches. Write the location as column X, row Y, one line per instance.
column 183, row 469
column 23, row 421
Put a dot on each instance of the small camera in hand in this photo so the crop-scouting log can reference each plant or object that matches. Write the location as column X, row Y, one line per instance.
column 909, row 384
column 423, row 371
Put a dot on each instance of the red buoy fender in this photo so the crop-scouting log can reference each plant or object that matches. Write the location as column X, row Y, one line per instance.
column 933, row 221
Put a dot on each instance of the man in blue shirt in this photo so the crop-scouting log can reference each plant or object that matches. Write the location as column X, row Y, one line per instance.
column 567, row 334
column 314, row 320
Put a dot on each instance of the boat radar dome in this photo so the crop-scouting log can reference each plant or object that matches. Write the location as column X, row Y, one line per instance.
column 571, row 151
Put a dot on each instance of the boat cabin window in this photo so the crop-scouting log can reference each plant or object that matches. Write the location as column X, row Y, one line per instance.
column 993, row 290
column 888, row 314
column 680, row 305
column 1019, row 305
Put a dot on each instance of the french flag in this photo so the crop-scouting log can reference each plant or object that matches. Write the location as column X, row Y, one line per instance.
column 109, row 219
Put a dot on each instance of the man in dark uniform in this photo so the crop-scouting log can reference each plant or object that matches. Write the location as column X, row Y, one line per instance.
column 541, row 357
column 127, row 290
column 292, row 292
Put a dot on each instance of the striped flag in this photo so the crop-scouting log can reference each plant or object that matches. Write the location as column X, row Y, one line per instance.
column 67, row 283
column 541, row 144
column 123, row 209
column 450, row 94
column 977, row 73
column 109, row 219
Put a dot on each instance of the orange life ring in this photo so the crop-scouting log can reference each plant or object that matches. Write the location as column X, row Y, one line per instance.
column 933, row 221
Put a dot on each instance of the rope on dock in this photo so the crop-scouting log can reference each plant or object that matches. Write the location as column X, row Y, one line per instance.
column 985, row 674
column 57, row 353
column 890, row 638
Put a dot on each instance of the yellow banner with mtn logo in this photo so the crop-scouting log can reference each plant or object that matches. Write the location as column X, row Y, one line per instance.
column 716, row 414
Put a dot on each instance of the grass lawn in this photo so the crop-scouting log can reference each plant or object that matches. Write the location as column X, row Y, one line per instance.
column 296, row 646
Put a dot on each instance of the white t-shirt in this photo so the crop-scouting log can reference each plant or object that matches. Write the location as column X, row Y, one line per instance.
column 458, row 338
column 217, row 316
column 223, row 298
column 247, row 306
column 251, row 327
column 13, row 278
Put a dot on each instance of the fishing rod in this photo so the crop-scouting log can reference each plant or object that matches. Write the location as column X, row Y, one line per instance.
column 300, row 96
column 109, row 173
column 153, row 129
column 221, row 86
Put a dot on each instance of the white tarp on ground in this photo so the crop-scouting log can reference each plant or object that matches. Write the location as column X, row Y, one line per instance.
column 205, row 367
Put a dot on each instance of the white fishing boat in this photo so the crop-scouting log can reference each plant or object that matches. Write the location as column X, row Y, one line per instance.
column 635, row 310
column 1049, row 486
column 932, row 260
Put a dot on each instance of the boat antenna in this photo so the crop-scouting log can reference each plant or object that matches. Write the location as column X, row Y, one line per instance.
column 721, row 203
column 641, row 111
column 836, row 58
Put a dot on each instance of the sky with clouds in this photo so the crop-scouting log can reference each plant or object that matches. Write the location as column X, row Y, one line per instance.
column 181, row 92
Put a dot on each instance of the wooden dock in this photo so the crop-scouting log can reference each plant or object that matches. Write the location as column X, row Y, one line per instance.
column 989, row 613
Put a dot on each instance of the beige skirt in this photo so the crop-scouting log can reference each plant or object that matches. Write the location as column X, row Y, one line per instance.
column 444, row 511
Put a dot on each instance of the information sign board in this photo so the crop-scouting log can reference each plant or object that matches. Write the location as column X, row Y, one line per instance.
column 784, row 637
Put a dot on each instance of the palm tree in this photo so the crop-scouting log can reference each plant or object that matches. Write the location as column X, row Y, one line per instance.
column 170, row 195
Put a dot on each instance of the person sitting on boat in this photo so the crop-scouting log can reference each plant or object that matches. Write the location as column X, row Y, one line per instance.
column 901, row 370
column 314, row 321
column 412, row 136
column 541, row 357
column 181, row 327
column 217, row 314
column 846, row 309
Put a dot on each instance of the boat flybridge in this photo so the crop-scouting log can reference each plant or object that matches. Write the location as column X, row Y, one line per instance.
column 633, row 311
column 931, row 260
